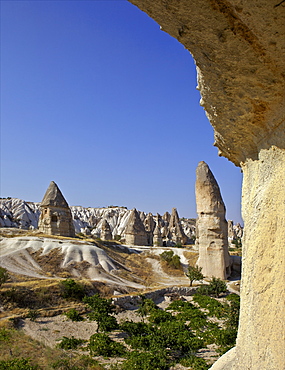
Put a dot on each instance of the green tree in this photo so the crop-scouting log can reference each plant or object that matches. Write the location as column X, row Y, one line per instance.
column 101, row 310
column 3, row 275
column 194, row 273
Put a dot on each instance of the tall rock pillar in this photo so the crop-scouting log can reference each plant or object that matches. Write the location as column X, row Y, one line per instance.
column 211, row 225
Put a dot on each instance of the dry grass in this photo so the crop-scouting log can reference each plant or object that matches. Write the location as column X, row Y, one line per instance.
column 191, row 256
column 169, row 270
column 15, row 344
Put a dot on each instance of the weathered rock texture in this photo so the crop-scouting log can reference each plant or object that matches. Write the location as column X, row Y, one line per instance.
column 89, row 221
column 106, row 233
column 238, row 47
column 55, row 218
column 157, row 239
column 211, row 225
column 135, row 233
column 175, row 231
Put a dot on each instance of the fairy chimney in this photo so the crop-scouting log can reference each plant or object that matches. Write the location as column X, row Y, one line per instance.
column 157, row 238
column 175, row 230
column 106, row 233
column 211, row 226
column 55, row 217
column 135, row 233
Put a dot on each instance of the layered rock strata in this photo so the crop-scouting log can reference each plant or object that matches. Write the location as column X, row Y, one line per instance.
column 239, row 52
column 55, row 218
column 211, row 225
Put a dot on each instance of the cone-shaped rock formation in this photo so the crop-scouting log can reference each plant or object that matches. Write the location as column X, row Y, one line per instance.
column 55, row 218
column 211, row 226
column 135, row 233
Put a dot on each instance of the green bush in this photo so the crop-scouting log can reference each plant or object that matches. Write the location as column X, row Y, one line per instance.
column 214, row 307
column 146, row 361
column 73, row 315
column 215, row 288
column 70, row 289
column 136, row 328
column 146, row 306
column 82, row 363
column 33, row 314
column 101, row 345
column 167, row 256
column 70, row 343
column 101, row 309
column 159, row 316
column 17, row 364
column 232, row 311
column 196, row 363
column 172, row 259
column 5, row 334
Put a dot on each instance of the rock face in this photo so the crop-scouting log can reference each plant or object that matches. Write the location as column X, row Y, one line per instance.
column 135, row 233
column 211, row 226
column 106, row 233
column 238, row 47
column 55, row 218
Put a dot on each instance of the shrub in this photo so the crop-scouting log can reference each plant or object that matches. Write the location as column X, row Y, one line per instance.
column 4, row 335
column 146, row 306
column 146, row 361
column 214, row 307
column 73, row 315
column 194, row 273
column 17, row 364
column 33, row 314
column 101, row 309
column 70, row 343
column 172, row 259
column 4, row 276
column 196, row 363
column 101, row 345
column 136, row 328
column 70, row 289
column 215, row 288
column 158, row 316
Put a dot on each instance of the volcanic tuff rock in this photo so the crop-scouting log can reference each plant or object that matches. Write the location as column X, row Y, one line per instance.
column 106, row 233
column 175, row 231
column 157, row 239
column 56, row 217
column 135, row 233
column 20, row 214
column 212, row 227
column 239, row 51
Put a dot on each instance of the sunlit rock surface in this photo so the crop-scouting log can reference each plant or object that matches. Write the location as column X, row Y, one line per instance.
column 239, row 50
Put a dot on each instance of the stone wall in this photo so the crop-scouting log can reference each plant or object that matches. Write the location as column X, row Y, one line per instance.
column 239, row 50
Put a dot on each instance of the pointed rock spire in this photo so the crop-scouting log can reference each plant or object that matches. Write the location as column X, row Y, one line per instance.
column 175, row 230
column 53, row 197
column 106, row 233
column 135, row 233
column 211, row 226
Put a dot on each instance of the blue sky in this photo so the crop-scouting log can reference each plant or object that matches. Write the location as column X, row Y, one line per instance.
column 95, row 97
